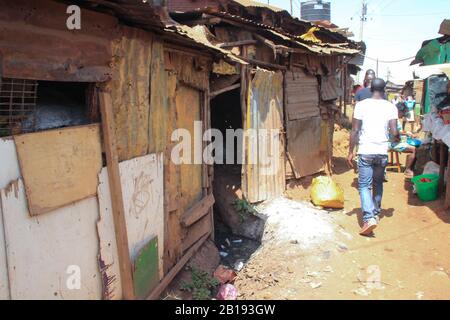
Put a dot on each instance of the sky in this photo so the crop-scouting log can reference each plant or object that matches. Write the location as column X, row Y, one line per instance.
column 395, row 29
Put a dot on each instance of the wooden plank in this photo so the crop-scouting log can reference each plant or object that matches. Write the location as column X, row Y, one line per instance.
column 117, row 205
column 188, row 110
column 45, row 253
column 156, row 293
column 146, row 273
column 198, row 211
column 237, row 43
column 196, row 231
column 226, row 89
column 59, row 167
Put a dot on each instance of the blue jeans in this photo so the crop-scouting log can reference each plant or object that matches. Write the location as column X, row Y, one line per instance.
column 371, row 177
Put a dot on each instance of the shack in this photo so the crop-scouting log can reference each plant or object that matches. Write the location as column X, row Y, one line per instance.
column 432, row 90
column 90, row 93
column 294, row 77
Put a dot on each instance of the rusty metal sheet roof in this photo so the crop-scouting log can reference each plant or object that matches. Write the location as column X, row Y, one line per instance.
column 256, row 4
column 199, row 35
column 325, row 48
column 143, row 15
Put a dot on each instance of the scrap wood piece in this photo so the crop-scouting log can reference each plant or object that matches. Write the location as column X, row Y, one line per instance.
column 197, row 231
column 176, row 269
column 115, row 194
column 59, row 167
column 198, row 211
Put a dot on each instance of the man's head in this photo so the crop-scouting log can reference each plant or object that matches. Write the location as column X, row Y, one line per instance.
column 377, row 88
column 368, row 80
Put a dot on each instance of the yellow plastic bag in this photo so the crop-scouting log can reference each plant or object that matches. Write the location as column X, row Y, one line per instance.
column 327, row 193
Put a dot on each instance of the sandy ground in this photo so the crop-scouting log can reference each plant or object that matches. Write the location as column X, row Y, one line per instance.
column 407, row 258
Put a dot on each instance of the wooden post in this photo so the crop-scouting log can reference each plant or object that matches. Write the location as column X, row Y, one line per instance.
column 447, row 193
column 345, row 89
column 443, row 153
column 112, row 160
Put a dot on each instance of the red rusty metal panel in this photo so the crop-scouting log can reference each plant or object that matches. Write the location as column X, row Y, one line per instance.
column 36, row 43
column 302, row 95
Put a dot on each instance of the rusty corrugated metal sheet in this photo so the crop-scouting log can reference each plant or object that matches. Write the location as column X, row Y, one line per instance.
column 130, row 92
column 301, row 94
column 264, row 180
column 304, row 142
column 324, row 48
column 330, row 88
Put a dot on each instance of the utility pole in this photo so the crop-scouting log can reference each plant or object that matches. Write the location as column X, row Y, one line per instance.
column 377, row 66
column 389, row 74
column 292, row 9
column 363, row 19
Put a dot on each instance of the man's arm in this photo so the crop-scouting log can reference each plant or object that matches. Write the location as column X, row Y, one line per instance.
column 393, row 130
column 354, row 136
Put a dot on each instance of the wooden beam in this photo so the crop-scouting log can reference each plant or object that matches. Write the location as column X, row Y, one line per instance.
column 156, row 293
column 237, row 43
column 264, row 64
column 118, row 211
column 197, row 231
column 447, row 194
column 226, row 89
column 198, row 211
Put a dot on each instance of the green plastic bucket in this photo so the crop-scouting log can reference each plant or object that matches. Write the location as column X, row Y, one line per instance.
column 427, row 191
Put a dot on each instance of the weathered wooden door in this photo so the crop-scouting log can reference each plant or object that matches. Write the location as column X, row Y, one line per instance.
column 263, row 169
column 303, row 123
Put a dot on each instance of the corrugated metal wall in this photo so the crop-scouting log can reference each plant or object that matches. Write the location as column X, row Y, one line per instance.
column 301, row 94
column 264, row 180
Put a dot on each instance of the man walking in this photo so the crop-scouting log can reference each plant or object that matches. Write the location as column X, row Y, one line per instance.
column 365, row 93
column 373, row 119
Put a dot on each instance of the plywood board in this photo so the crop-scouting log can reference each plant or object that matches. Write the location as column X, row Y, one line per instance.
column 9, row 168
column 59, row 167
column 45, row 251
column 4, row 281
column 143, row 193
column 9, row 171
column 188, row 111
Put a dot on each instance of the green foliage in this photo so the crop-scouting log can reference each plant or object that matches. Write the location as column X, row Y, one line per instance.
column 244, row 209
column 200, row 285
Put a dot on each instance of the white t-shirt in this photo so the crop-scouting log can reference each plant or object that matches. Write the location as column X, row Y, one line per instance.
column 375, row 115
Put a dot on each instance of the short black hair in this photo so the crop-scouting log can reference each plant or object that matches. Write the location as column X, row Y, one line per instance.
column 378, row 85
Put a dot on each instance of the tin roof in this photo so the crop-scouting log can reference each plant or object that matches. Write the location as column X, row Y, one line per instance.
column 144, row 15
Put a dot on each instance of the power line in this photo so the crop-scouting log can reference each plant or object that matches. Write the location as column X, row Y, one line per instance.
column 384, row 61
column 408, row 15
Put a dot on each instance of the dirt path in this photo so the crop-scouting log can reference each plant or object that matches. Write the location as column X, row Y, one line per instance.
column 408, row 258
